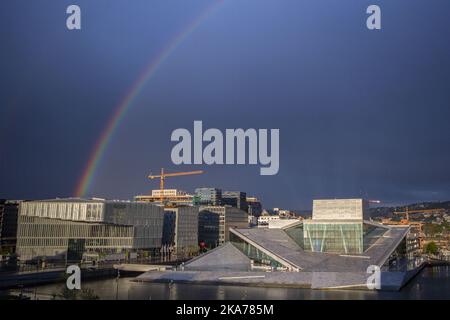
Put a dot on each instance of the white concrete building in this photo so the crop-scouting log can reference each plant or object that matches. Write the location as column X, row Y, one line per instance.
column 264, row 220
column 281, row 223
column 340, row 209
column 168, row 193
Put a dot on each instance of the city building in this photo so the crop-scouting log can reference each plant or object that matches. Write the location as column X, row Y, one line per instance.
column 214, row 223
column 235, row 199
column 171, row 196
column 252, row 221
column 264, row 220
column 414, row 241
column 334, row 249
column 60, row 228
column 8, row 225
column 338, row 226
column 275, row 221
column 208, row 196
column 281, row 223
column 416, row 236
column 282, row 213
column 180, row 231
column 254, row 206
column 445, row 255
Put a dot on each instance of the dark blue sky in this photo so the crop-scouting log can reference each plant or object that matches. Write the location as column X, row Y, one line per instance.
column 360, row 113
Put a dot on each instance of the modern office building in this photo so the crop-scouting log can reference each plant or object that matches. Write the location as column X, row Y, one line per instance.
column 9, row 210
column 237, row 199
column 208, row 196
column 180, row 232
column 215, row 222
column 52, row 228
column 170, row 196
column 54, row 239
column 254, row 206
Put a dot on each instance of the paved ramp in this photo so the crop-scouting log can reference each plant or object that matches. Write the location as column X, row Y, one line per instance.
column 141, row 267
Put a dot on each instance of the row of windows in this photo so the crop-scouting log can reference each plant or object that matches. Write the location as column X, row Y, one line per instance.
column 72, row 230
column 67, row 211
column 58, row 242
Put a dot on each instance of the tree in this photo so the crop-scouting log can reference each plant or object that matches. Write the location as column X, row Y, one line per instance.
column 431, row 248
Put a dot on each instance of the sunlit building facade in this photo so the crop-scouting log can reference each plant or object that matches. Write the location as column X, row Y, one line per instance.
column 48, row 228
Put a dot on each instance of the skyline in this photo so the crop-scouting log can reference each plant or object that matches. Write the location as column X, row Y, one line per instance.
column 362, row 117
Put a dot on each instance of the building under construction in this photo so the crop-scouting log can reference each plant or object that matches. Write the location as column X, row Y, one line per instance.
column 170, row 196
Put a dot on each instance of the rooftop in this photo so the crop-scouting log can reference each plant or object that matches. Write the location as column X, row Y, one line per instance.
column 278, row 244
column 283, row 246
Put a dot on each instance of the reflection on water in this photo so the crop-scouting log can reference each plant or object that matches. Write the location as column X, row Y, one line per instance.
column 431, row 283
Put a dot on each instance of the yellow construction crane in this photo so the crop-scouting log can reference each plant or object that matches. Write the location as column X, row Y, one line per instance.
column 163, row 175
column 407, row 212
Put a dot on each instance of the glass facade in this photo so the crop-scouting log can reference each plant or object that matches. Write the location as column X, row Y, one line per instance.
column 168, row 234
column 259, row 258
column 215, row 221
column 296, row 233
column 398, row 260
column 401, row 259
column 334, row 237
column 39, row 237
column 209, row 228
column 208, row 196
column 340, row 237
column 75, row 250
column 371, row 234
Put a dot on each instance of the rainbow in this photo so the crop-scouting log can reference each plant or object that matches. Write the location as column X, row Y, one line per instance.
column 121, row 110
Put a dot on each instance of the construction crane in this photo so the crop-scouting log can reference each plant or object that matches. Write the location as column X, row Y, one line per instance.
column 163, row 176
column 407, row 212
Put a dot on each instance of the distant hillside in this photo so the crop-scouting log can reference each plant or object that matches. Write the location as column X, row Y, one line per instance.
column 388, row 211
column 303, row 213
